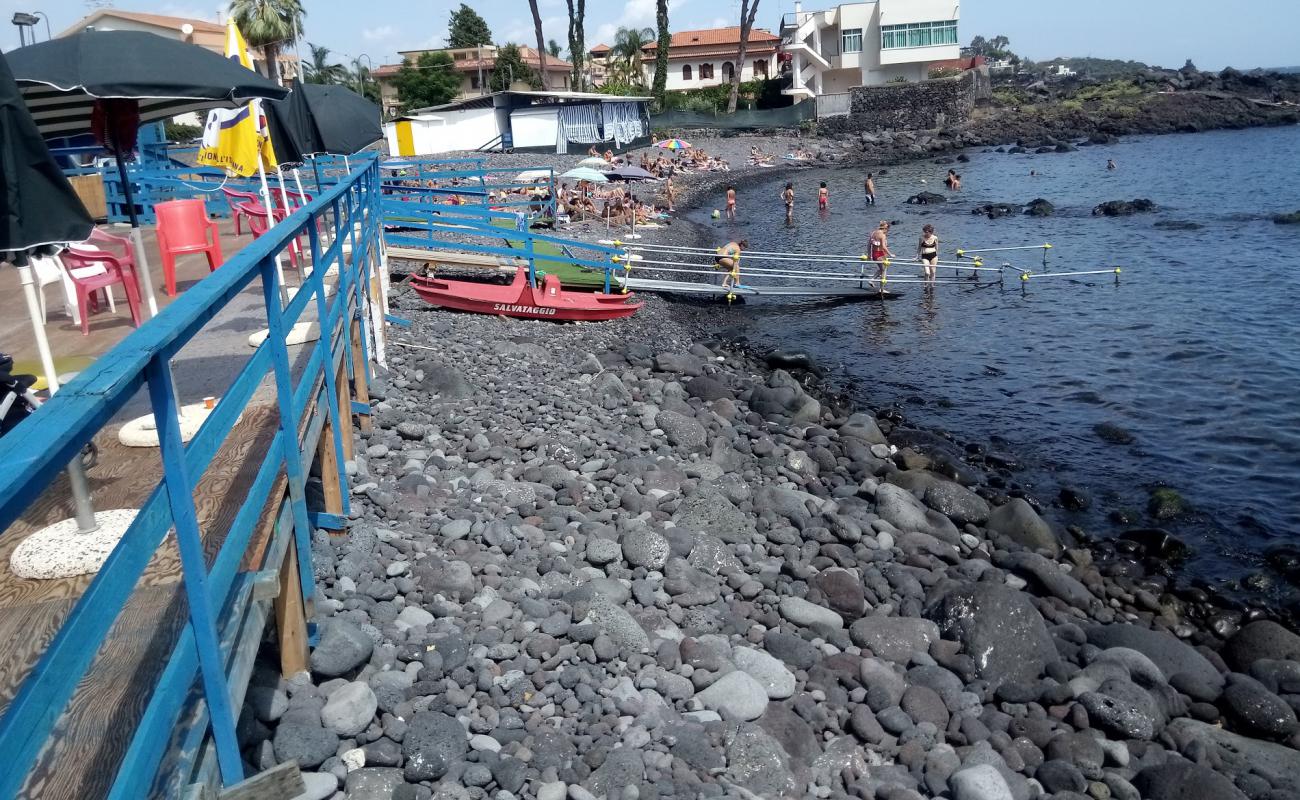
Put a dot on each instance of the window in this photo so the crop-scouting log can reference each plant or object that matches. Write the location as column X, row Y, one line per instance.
column 473, row 81
column 851, row 40
column 917, row 34
column 686, row 72
column 706, row 72
column 728, row 71
column 760, row 67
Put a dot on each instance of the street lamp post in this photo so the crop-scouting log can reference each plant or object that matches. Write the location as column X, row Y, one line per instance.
column 370, row 70
column 21, row 21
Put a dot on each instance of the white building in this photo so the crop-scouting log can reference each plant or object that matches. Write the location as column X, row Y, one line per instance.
column 865, row 44
column 703, row 58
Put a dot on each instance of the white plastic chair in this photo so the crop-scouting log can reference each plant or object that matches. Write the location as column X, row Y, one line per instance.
column 49, row 270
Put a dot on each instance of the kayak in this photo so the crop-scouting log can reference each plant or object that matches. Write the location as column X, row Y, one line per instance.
column 519, row 299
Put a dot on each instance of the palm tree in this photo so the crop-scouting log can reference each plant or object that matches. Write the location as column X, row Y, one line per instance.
column 663, row 40
column 541, row 42
column 320, row 70
column 271, row 25
column 626, row 54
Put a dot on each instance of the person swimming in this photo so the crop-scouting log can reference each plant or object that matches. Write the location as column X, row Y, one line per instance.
column 728, row 259
column 1111, row 165
column 787, row 196
column 927, row 252
column 823, row 196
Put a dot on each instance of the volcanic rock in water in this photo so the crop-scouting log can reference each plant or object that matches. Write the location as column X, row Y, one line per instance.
column 1110, row 432
column 1177, row 225
column 999, row 628
column 926, row 198
column 1038, row 207
column 994, row 210
column 1123, row 208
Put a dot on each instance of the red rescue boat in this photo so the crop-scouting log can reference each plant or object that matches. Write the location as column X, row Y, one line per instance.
column 550, row 301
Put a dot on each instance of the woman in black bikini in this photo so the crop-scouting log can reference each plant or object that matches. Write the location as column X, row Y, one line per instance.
column 927, row 252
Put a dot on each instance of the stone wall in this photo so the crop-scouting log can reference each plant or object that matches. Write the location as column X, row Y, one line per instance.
column 911, row 106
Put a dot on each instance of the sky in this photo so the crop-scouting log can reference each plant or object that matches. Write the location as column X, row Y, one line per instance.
column 1162, row 32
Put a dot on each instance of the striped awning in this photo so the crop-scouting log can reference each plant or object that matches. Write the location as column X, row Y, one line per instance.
column 59, row 113
column 60, row 79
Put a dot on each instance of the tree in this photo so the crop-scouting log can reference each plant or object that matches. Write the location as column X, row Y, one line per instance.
column 541, row 44
column 625, row 55
column 577, row 41
column 465, row 28
column 432, row 80
column 271, row 25
column 661, row 51
column 553, row 47
column 320, row 70
column 748, row 10
column 510, row 68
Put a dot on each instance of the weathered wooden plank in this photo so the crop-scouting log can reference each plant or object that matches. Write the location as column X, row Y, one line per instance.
column 282, row 782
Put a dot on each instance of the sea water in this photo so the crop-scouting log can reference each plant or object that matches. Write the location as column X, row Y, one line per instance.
column 1196, row 352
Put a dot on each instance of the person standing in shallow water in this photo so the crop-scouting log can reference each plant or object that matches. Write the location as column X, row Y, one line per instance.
column 870, row 187
column 878, row 247
column 731, row 203
column 787, row 196
column 823, row 196
column 927, row 252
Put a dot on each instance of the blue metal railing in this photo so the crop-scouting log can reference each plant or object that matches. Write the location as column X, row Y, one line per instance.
column 218, row 596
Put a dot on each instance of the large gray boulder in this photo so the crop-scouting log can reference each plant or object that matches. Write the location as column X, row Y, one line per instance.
column 1125, row 709
column 956, row 502
column 1181, row 780
column 342, row 648
column 446, row 382
column 1018, row 521
column 783, row 397
column 433, row 741
column 1275, row 763
column 1261, row 639
column 709, row 511
column 862, row 426
column 900, row 508
column 897, row 639
column 735, row 696
column 1168, row 652
column 999, row 628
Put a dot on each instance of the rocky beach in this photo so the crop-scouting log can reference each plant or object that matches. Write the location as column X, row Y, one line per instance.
column 640, row 559
column 632, row 560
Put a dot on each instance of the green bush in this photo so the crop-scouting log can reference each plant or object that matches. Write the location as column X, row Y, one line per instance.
column 944, row 72
column 180, row 132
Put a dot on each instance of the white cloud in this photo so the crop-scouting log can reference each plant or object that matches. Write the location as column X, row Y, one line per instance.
column 556, row 28
column 381, row 34
column 188, row 12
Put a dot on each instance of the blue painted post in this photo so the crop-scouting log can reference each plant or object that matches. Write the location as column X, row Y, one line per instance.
column 180, row 497
column 532, row 258
column 288, row 422
column 327, row 345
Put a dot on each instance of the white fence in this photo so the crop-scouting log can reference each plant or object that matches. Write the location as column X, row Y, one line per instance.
column 832, row 105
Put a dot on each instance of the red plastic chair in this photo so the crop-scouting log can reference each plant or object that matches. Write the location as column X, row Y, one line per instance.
column 94, row 270
column 184, row 227
column 296, row 199
column 256, row 214
column 234, row 198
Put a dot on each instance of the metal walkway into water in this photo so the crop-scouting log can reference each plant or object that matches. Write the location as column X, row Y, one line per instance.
column 712, row 289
